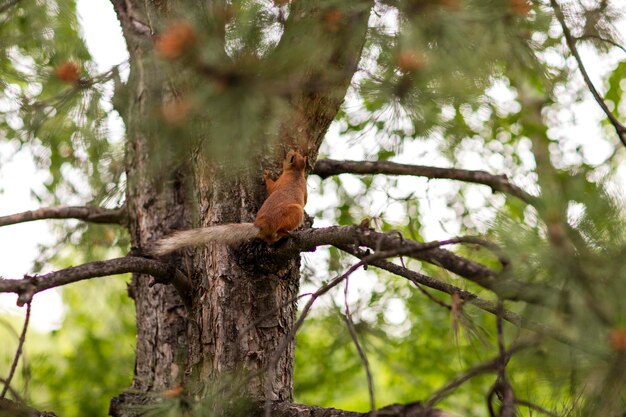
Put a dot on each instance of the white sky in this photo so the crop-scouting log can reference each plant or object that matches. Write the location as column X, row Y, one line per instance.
column 19, row 243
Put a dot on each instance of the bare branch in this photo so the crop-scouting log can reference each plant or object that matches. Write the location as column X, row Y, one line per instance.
column 271, row 367
column 355, row 338
column 27, row 287
column 87, row 213
column 600, row 38
column 468, row 297
column 12, row 391
column 327, row 167
column 421, row 279
column 18, row 353
column 535, row 407
column 347, row 236
column 502, row 388
column 489, row 366
column 571, row 43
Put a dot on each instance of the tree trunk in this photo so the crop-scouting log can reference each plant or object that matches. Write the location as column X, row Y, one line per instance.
column 243, row 304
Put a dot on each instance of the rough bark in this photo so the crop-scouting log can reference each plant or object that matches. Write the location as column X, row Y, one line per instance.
column 241, row 311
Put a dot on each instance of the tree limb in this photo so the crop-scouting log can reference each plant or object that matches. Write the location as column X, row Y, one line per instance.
column 421, row 279
column 327, row 167
column 87, row 213
column 27, row 287
column 620, row 129
column 355, row 236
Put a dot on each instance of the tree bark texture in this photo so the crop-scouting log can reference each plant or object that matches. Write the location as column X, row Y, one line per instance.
column 243, row 306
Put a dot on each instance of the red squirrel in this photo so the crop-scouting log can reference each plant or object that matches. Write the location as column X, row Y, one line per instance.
column 282, row 212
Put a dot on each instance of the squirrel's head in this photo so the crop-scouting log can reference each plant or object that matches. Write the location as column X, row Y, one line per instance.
column 294, row 161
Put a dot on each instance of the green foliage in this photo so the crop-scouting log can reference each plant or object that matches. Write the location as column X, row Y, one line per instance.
column 463, row 83
column 63, row 124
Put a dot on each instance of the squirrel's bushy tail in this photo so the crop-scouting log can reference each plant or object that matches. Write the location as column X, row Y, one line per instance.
column 225, row 233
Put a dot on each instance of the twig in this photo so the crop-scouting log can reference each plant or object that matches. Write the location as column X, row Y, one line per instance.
column 355, row 338
column 600, row 38
column 535, row 407
column 271, row 367
column 327, row 167
column 489, row 366
column 27, row 287
column 349, row 236
column 86, row 213
column 571, row 43
column 12, row 391
column 430, row 296
column 502, row 387
column 18, row 353
column 468, row 297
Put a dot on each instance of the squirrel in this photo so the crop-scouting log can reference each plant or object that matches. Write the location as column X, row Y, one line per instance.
column 281, row 213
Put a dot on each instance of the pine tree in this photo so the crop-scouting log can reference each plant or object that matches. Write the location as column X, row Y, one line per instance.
column 215, row 93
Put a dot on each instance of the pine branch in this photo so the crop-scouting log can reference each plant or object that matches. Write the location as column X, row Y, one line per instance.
column 620, row 129
column 327, row 167
column 86, row 213
column 27, row 287
column 315, row 108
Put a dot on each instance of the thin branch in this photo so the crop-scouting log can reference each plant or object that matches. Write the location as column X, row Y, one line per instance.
column 421, row 279
column 571, row 43
column 600, row 38
column 502, row 388
column 327, row 167
column 342, row 236
column 355, row 338
column 468, row 297
column 271, row 367
column 18, row 353
column 87, row 213
column 12, row 391
column 27, row 287
column 489, row 366
column 535, row 407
